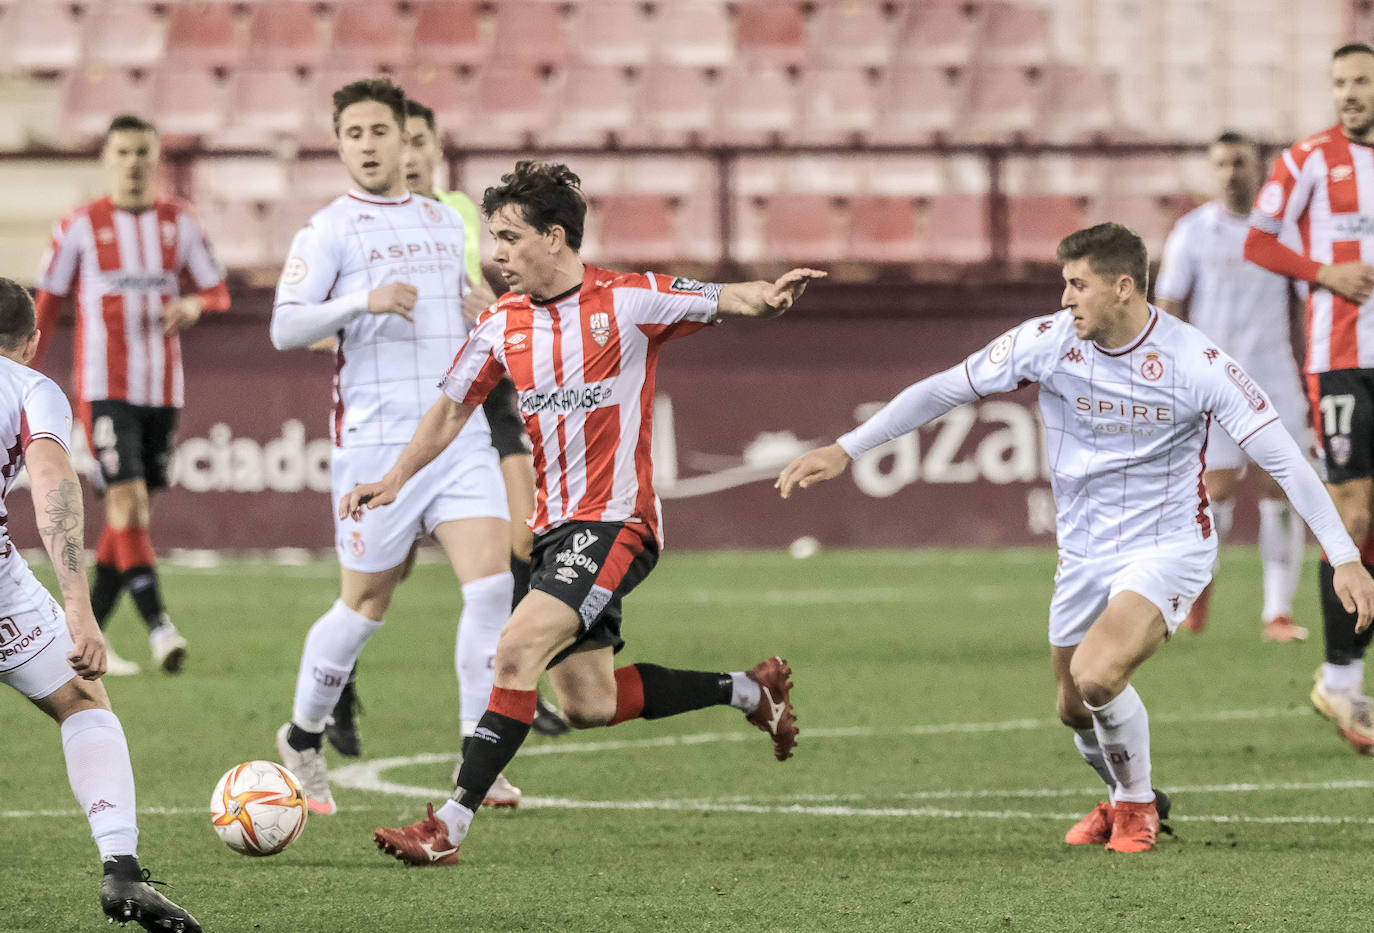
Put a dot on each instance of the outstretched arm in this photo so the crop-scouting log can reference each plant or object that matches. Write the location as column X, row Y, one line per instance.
column 61, row 524
column 765, row 299
column 436, row 430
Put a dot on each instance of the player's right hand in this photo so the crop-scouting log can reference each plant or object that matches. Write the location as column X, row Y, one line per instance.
column 87, row 656
column 371, row 495
column 395, row 298
column 1355, row 589
column 812, row 467
column 1353, row 281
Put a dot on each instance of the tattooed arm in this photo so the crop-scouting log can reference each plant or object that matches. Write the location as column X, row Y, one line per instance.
column 61, row 524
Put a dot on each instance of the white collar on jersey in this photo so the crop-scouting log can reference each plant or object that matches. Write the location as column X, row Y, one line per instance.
column 377, row 199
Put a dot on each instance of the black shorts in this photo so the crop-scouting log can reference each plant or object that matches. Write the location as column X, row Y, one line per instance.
column 1343, row 415
column 591, row 566
column 131, row 441
column 507, row 429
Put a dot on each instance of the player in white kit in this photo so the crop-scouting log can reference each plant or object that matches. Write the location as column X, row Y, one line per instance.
column 1245, row 308
column 382, row 271
column 1128, row 396
column 55, row 656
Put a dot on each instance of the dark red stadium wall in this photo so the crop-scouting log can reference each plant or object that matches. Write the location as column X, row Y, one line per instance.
column 734, row 401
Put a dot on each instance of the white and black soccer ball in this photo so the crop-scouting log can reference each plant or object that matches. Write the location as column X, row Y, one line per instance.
column 258, row 808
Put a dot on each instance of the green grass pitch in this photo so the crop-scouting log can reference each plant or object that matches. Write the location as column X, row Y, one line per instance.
column 931, row 789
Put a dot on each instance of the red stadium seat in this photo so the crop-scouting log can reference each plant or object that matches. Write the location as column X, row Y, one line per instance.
column 1078, row 104
column 188, row 104
column 758, row 105
column 447, row 32
column 1014, row 33
column 884, row 229
column 124, row 34
column 611, row 32
column 92, row 97
column 42, row 36
column 838, row 106
column 204, row 35
column 771, row 32
column 1036, row 224
column 267, row 104
column 368, row 35
column 954, row 228
column 594, row 102
column 530, row 31
column 1151, row 216
column 1003, row 104
column 285, row 34
column 449, row 95
column 849, row 34
column 238, row 178
column 634, row 227
column 677, row 106
column 939, row 32
column 699, row 34
column 919, row 103
column 241, row 233
column 802, row 227
column 510, row 105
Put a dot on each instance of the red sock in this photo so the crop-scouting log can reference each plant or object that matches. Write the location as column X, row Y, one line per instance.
column 629, row 694
column 105, row 550
column 133, row 547
column 515, row 704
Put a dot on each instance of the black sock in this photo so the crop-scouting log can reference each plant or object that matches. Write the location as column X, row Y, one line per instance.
column 467, row 743
column 105, row 590
column 301, row 740
column 1343, row 644
column 146, row 594
column 668, row 692
column 501, row 737
column 123, row 867
column 520, row 569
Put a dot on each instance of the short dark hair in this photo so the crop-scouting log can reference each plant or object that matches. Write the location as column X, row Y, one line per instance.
column 1235, row 138
column 547, row 193
column 1353, row 48
column 379, row 89
column 416, row 109
column 129, row 122
column 1111, row 249
column 16, row 314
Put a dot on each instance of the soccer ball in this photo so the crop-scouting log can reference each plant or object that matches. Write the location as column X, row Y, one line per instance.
column 258, row 807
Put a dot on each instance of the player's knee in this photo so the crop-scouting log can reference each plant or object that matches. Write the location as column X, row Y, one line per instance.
column 1094, row 682
column 1073, row 713
column 583, row 713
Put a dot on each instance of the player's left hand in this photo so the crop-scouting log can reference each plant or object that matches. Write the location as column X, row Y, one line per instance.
column 479, row 298
column 181, row 313
column 1355, row 589
column 87, row 656
column 784, row 293
column 812, row 467
column 371, row 495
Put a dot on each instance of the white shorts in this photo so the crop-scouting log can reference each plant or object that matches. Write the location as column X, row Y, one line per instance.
column 1171, row 576
column 34, row 641
column 1291, row 406
column 462, row 482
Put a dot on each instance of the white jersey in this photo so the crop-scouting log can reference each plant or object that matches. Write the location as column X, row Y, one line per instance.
column 1242, row 306
column 31, row 406
column 388, row 368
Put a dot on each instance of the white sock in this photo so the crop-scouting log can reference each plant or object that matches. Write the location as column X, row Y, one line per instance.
column 457, row 818
column 1224, row 513
column 1344, row 678
column 1086, row 742
column 1123, row 731
column 102, row 779
column 1282, row 538
column 486, row 607
column 331, row 649
column 745, row 694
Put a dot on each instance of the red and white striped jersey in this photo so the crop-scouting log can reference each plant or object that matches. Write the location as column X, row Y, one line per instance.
column 124, row 265
column 584, row 366
column 1324, row 186
column 31, row 406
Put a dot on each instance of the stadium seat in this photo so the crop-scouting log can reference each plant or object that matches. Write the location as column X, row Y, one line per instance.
column 594, row 104
column 510, row 105
column 447, row 32
column 634, row 226
column 238, row 178
column 265, row 105
column 1151, row 216
column 850, row 34
column 94, row 96
column 1036, row 224
column 285, row 34
column 241, row 233
column 1078, row 104
column 918, row 104
column 367, row 36
column 677, row 106
column 1015, row 32
column 1003, row 104
column 41, row 35
column 611, row 32
column 531, row 32
column 187, row 104
column 883, row 229
column 691, row 178
column 698, row 34
column 954, row 228
column 802, row 227
column 838, row 106
column 448, row 94
column 203, row 35
column 938, row 32
column 124, row 33
column 316, row 180
column 758, row 106
column 771, row 32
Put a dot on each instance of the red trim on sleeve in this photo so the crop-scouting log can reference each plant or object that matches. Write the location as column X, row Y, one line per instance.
column 1247, row 437
column 1264, row 249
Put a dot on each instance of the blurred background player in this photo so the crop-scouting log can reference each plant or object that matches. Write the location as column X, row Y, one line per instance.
column 1128, row 395
column 1246, row 309
column 55, row 655
column 125, row 254
column 1320, row 186
column 597, row 519
column 382, row 270
column 423, row 156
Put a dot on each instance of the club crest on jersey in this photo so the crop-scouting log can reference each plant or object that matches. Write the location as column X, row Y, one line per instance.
column 356, row 545
column 1340, row 449
column 431, row 212
column 1000, row 349
column 1247, row 387
column 1152, row 369
column 600, row 323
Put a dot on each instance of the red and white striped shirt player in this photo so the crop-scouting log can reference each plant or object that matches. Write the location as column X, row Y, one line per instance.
column 124, row 265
